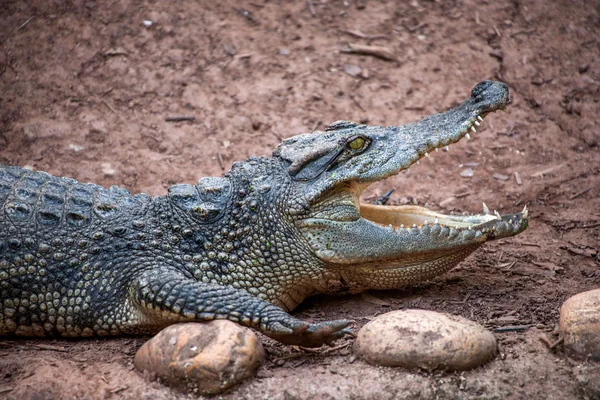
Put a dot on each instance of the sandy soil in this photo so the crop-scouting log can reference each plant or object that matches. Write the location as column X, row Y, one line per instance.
column 85, row 88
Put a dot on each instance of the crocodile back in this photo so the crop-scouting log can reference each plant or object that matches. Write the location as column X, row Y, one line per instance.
column 58, row 241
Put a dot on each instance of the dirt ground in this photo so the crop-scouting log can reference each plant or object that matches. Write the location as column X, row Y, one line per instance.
column 86, row 86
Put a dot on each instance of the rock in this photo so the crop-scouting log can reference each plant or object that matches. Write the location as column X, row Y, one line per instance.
column 107, row 169
column 580, row 325
column 467, row 173
column 210, row 357
column 353, row 70
column 425, row 339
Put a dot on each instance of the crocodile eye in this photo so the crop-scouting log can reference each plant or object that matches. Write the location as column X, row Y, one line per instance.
column 357, row 143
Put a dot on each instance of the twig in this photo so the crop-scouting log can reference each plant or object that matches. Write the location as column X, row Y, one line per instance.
column 119, row 389
column 459, row 195
column 311, row 8
column 248, row 15
column 548, row 170
column 25, row 23
column 523, row 31
column 338, row 347
column 181, row 118
column 361, row 35
column 576, row 195
column 376, row 51
column 299, row 363
column 357, row 102
column 412, row 29
column 221, row 163
column 512, row 328
column 6, row 389
column 518, row 178
column 530, row 244
column 549, row 344
column 108, row 106
column 50, row 347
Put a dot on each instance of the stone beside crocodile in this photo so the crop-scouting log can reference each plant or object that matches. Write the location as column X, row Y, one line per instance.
column 80, row 260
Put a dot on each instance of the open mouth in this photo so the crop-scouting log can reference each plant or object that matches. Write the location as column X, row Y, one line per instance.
column 342, row 230
column 399, row 218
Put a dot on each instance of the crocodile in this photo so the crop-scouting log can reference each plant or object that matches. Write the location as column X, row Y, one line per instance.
column 80, row 260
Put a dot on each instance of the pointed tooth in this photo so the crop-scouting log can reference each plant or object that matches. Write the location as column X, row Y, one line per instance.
column 426, row 154
column 414, row 225
column 447, row 148
column 468, row 136
column 436, row 149
column 418, row 162
column 402, row 226
column 436, row 220
column 525, row 212
column 497, row 214
column 473, row 129
column 477, row 123
column 479, row 118
column 486, row 210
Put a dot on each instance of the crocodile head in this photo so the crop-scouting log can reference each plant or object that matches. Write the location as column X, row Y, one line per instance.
column 378, row 246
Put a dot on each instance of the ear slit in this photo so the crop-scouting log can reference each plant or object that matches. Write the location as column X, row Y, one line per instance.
column 312, row 168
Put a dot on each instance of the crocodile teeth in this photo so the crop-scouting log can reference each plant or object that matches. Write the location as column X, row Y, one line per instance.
column 497, row 214
column 473, row 129
column 468, row 136
column 486, row 210
column 436, row 149
column 426, row 154
column 436, row 220
column 525, row 212
column 447, row 148
column 479, row 118
column 477, row 123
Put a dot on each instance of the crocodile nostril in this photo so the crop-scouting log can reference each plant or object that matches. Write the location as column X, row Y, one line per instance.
column 480, row 88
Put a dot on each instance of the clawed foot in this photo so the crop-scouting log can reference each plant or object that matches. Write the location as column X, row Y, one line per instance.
column 314, row 335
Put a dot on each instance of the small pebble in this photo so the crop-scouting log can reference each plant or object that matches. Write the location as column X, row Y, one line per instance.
column 353, row 70
column 426, row 340
column 107, row 169
column 500, row 177
column 580, row 325
column 467, row 173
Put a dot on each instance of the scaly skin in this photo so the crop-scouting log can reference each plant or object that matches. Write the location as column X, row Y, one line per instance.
column 80, row 260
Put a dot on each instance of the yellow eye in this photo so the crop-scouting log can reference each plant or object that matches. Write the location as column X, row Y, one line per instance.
column 357, row 143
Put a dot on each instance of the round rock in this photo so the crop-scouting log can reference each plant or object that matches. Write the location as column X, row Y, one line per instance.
column 425, row 339
column 210, row 357
column 580, row 325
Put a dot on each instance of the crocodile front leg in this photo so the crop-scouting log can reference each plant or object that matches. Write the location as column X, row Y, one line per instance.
column 158, row 299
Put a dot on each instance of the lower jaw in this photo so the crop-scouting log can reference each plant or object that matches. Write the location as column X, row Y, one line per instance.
column 397, row 276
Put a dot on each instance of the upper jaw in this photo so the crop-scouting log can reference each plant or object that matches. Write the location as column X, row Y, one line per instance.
column 416, row 140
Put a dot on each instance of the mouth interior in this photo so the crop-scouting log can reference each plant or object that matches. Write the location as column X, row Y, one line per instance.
column 408, row 216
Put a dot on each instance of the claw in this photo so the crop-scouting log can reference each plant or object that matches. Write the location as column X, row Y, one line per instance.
column 525, row 212
column 349, row 332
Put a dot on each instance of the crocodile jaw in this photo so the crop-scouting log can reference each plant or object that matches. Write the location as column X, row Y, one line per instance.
column 383, row 247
